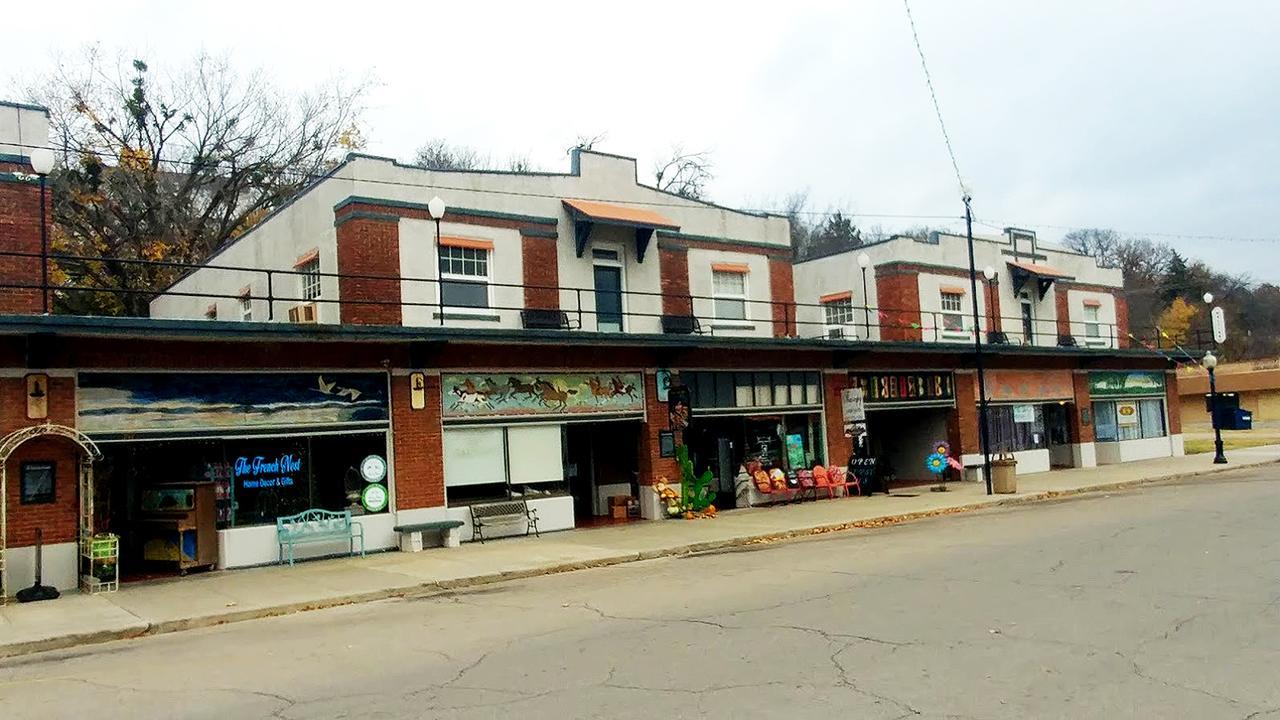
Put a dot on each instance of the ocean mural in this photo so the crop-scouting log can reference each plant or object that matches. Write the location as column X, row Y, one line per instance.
column 140, row 403
column 506, row 394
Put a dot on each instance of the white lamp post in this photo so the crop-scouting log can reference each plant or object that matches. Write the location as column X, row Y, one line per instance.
column 42, row 164
column 864, row 262
column 1210, row 362
column 1208, row 298
column 437, row 208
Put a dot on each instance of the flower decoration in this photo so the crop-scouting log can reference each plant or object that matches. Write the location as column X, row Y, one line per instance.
column 943, row 448
column 936, row 463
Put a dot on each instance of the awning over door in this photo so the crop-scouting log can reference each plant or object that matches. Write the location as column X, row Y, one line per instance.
column 1041, row 276
column 589, row 213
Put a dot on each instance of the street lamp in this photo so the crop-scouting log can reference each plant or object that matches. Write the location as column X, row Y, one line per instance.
column 41, row 164
column 1208, row 298
column 983, row 431
column 864, row 262
column 436, row 207
column 1210, row 363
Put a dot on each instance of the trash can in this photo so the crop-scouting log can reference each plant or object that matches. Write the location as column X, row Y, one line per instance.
column 1004, row 475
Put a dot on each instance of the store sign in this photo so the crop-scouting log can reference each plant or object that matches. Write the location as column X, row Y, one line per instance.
column 905, row 388
column 662, row 379
column 1121, row 384
column 853, row 406
column 1127, row 413
column 374, row 497
column 417, row 390
column 504, row 395
column 373, row 468
column 257, row 472
column 142, row 403
column 1024, row 413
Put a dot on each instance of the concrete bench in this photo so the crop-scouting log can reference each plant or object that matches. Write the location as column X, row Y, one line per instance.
column 318, row 526
column 411, row 535
column 506, row 512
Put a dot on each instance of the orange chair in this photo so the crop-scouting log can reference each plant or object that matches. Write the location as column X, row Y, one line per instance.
column 847, row 480
column 823, row 481
column 763, row 484
column 807, row 485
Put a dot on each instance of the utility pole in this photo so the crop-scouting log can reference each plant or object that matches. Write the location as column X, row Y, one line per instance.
column 977, row 349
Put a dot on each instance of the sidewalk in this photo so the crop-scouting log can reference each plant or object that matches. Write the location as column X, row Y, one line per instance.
column 221, row 597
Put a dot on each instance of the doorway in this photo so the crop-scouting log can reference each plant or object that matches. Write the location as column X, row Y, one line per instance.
column 1057, row 428
column 601, row 461
column 1028, row 323
column 607, row 273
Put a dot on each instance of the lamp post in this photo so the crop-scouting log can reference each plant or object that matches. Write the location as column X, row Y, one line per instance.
column 42, row 163
column 864, row 262
column 436, row 207
column 983, row 432
column 1211, row 363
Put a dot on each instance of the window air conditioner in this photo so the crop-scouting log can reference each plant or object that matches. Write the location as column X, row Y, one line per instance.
column 304, row 313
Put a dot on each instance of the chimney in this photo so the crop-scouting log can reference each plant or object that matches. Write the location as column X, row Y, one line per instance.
column 23, row 129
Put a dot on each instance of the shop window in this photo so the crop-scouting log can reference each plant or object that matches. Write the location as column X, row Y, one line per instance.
column 37, row 483
column 309, row 279
column 711, row 390
column 1015, row 428
column 494, row 463
column 838, row 312
column 464, row 277
column 952, row 311
column 1128, row 419
column 729, row 289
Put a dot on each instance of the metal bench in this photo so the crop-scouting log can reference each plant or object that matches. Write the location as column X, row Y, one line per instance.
column 318, row 526
column 503, row 513
column 411, row 535
column 542, row 319
column 681, row 325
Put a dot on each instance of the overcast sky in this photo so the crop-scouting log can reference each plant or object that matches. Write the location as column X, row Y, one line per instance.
column 1147, row 117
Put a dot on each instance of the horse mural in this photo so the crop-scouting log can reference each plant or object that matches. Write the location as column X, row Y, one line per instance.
column 523, row 395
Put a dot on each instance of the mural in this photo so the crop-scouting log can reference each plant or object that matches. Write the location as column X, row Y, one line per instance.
column 505, row 394
column 114, row 403
column 1113, row 384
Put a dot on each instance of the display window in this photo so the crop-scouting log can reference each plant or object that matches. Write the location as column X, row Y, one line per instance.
column 1015, row 428
column 1136, row 419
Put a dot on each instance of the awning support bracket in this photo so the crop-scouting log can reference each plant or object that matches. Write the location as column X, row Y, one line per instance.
column 581, row 234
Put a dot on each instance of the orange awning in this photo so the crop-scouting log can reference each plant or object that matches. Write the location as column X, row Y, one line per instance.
column 609, row 214
column 1043, row 271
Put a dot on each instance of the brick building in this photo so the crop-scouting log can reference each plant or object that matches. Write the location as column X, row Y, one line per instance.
column 527, row 352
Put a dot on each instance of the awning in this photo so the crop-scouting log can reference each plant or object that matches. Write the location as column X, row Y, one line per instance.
column 1041, row 275
column 588, row 213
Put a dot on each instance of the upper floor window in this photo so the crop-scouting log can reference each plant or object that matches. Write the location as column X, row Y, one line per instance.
column 1092, row 325
column 838, row 310
column 729, row 288
column 246, row 305
column 952, row 311
column 464, row 276
column 309, row 277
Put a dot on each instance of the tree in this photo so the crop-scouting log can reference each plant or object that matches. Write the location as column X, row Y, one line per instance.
column 685, row 174
column 172, row 167
column 1176, row 280
column 440, row 154
column 1175, row 321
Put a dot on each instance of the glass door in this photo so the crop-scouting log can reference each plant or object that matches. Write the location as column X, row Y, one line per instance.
column 608, row 286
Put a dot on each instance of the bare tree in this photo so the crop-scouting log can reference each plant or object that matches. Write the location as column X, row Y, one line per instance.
column 586, row 142
column 685, row 174
column 440, row 154
column 521, row 164
column 173, row 166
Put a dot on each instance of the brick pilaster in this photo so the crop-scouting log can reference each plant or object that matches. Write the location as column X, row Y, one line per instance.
column 898, row 303
column 541, row 272
column 962, row 422
column 60, row 519
column 652, row 464
column 20, row 232
column 782, row 294
column 369, row 246
column 1062, row 308
column 419, row 446
column 1173, row 402
column 673, row 268
column 1080, row 432
column 839, row 447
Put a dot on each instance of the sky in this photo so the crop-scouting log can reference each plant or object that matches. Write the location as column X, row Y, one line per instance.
column 1153, row 118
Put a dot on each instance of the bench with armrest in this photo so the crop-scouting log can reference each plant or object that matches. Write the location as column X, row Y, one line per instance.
column 505, row 512
column 412, row 534
column 544, row 319
column 316, row 525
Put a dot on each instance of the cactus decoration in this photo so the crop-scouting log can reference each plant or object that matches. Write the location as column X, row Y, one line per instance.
column 695, row 497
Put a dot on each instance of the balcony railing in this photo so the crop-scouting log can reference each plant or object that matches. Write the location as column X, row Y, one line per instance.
column 381, row 299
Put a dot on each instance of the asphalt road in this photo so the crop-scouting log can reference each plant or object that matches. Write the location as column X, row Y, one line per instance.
column 1159, row 603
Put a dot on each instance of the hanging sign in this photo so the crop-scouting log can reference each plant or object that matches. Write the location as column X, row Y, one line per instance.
column 905, row 388
column 1024, row 413
column 37, row 396
column 1219, row 325
column 663, row 380
column 417, row 390
column 853, row 405
column 1127, row 413
column 679, row 407
column 374, row 497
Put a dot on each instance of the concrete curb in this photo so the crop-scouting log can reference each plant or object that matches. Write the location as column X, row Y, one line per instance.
column 427, row 589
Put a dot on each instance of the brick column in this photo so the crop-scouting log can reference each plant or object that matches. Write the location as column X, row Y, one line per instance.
column 369, row 244
column 1062, row 308
column 782, row 293
column 839, row 447
column 898, row 303
column 417, row 437
column 20, row 232
column 962, row 421
column 652, row 465
column 992, row 289
column 59, row 519
column 673, row 267
column 1173, row 402
column 1122, row 320
column 1081, row 432
column 541, row 272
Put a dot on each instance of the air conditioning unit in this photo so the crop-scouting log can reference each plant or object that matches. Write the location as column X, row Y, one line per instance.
column 304, row 313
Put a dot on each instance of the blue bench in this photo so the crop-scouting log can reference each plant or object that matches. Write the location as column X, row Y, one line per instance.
column 318, row 526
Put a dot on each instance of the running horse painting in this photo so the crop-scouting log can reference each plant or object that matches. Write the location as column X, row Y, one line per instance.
column 542, row 394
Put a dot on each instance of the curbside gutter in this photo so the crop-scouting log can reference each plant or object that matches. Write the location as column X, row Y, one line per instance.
column 427, row 589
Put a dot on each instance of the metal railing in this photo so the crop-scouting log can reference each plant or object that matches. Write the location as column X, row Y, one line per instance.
column 418, row 301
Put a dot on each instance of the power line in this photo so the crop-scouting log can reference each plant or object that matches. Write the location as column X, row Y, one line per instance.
column 937, row 109
column 1138, row 233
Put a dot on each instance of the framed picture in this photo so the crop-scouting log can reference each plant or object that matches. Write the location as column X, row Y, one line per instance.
column 37, row 482
column 666, row 443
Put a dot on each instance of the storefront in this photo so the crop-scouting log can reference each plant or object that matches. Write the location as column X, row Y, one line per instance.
column 770, row 416
column 235, row 451
column 907, row 414
column 566, row 442
column 1029, row 414
column 1130, row 416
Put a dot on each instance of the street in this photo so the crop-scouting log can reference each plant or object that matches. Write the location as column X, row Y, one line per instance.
column 1161, row 602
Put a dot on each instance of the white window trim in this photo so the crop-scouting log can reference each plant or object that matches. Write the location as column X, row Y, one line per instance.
column 306, row 278
column 488, row 286
column 745, row 321
column 246, row 308
column 621, row 264
column 828, row 326
column 944, row 313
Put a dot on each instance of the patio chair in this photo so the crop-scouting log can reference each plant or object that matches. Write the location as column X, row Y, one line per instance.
column 822, row 481
column 807, row 485
column 840, row 477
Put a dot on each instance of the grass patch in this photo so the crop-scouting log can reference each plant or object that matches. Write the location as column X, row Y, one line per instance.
column 1194, row 447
